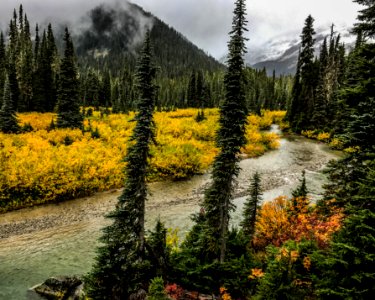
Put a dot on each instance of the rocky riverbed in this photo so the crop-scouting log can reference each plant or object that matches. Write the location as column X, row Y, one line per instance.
column 60, row 239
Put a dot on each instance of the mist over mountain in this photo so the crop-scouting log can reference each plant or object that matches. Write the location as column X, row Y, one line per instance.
column 110, row 35
column 281, row 54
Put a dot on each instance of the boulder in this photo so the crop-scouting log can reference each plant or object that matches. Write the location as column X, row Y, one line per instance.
column 61, row 288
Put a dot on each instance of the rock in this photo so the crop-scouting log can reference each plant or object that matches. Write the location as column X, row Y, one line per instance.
column 61, row 288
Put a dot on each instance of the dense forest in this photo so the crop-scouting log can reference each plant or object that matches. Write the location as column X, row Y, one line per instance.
column 105, row 60
column 285, row 248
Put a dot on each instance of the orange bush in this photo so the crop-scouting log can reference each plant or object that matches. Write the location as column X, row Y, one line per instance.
column 286, row 219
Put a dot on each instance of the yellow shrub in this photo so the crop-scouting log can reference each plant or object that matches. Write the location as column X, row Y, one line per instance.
column 308, row 133
column 43, row 166
column 336, row 143
column 323, row 136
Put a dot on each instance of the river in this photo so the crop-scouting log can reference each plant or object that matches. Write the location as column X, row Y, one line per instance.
column 60, row 239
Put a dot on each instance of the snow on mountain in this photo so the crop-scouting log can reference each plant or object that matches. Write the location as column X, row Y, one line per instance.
column 281, row 52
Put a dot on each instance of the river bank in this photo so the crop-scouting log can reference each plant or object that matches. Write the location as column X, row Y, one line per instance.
column 57, row 239
column 276, row 173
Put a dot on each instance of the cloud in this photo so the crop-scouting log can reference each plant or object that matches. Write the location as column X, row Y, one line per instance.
column 204, row 22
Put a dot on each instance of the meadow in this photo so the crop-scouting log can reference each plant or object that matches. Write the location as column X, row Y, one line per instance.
column 50, row 165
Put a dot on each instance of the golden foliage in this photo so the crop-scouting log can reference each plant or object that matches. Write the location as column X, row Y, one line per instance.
column 284, row 219
column 256, row 273
column 43, row 166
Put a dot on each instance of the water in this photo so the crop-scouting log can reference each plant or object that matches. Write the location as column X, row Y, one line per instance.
column 61, row 239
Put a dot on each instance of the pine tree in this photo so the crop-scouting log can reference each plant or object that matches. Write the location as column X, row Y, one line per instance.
column 294, row 108
column 8, row 119
column 252, row 206
column 319, row 118
column 25, row 66
column 106, row 90
column 230, row 138
column 303, row 101
column 12, row 53
column 68, row 110
column 2, row 67
column 366, row 17
column 301, row 190
column 122, row 267
column 192, row 90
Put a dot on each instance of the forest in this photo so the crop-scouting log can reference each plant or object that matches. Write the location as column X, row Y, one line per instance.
column 73, row 124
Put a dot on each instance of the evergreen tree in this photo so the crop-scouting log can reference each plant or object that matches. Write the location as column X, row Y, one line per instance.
column 252, row 206
column 348, row 267
column 68, row 110
column 106, row 90
column 294, row 108
column 301, row 190
column 2, row 67
column 192, row 93
column 366, row 17
column 8, row 119
column 304, row 102
column 25, row 66
column 92, row 90
column 230, row 138
column 122, row 267
column 319, row 117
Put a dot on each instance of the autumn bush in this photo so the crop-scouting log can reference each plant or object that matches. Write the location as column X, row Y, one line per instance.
column 47, row 165
column 284, row 219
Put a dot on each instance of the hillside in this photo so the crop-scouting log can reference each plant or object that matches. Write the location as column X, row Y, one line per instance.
column 281, row 53
column 111, row 36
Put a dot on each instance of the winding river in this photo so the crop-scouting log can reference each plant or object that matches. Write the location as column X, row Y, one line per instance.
column 60, row 239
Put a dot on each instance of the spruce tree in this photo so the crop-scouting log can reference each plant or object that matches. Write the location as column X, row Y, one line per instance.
column 303, row 91
column 192, row 90
column 122, row 267
column 230, row 138
column 366, row 18
column 294, row 106
column 68, row 109
column 25, row 66
column 252, row 206
column 319, row 117
column 2, row 67
column 8, row 119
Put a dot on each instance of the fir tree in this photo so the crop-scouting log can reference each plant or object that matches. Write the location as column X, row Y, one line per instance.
column 2, row 67
column 366, row 18
column 122, row 268
column 319, row 117
column 192, row 92
column 68, row 110
column 252, row 206
column 106, row 90
column 230, row 138
column 8, row 119
column 293, row 113
column 301, row 190
column 25, row 66
column 303, row 102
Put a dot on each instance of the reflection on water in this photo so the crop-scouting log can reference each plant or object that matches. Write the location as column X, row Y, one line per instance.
column 28, row 259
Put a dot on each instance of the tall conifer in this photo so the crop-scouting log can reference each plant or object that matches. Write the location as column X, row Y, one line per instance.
column 2, row 66
column 8, row 118
column 68, row 109
column 252, row 206
column 230, row 138
column 122, row 267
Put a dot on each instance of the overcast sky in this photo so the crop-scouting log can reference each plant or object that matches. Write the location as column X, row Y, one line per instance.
column 206, row 22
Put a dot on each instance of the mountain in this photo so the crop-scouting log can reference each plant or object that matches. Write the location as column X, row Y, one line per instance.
column 110, row 36
column 281, row 53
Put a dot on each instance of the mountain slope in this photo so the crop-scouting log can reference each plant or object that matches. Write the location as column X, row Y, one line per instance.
column 110, row 37
column 281, row 54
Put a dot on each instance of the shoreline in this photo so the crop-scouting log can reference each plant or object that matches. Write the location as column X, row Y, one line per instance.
column 190, row 192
